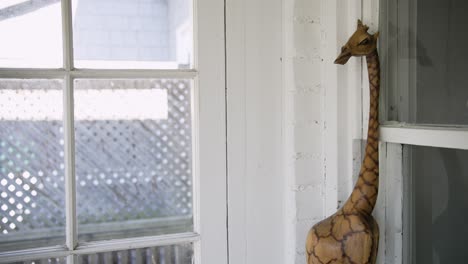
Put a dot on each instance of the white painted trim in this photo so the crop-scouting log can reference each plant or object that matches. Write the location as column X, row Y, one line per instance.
column 96, row 74
column 71, row 259
column 195, row 32
column 71, row 236
column 196, row 164
column 175, row 74
column 209, row 123
column 133, row 243
column 67, row 34
column 388, row 211
column 210, row 35
column 237, row 134
column 11, row 73
column 432, row 136
column 70, row 179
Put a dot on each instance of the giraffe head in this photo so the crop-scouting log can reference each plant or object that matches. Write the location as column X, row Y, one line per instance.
column 361, row 43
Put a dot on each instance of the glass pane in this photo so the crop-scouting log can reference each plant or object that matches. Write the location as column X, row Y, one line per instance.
column 43, row 261
column 31, row 34
column 172, row 254
column 427, row 62
column 133, row 157
column 439, row 205
column 32, row 210
column 155, row 34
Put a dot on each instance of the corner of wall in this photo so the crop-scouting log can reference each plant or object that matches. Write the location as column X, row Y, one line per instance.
column 323, row 114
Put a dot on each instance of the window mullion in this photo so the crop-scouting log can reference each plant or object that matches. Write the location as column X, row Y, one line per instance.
column 431, row 136
column 67, row 35
column 70, row 181
column 11, row 73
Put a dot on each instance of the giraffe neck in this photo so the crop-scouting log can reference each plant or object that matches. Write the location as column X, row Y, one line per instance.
column 364, row 195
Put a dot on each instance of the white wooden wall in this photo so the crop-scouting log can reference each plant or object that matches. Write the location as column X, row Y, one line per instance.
column 304, row 122
column 326, row 113
column 295, row 125
column 323, row 117
column 255, row 114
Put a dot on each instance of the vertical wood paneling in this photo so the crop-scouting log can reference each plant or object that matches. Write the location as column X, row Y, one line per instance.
column 210, row 209
column 236, row 130
column 255, row 113
column 394, row 204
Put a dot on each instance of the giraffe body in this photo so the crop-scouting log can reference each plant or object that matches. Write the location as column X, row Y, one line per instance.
column 351, row 235
column 343, row 238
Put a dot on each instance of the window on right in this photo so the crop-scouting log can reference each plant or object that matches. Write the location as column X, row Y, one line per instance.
column 424, row 117
column 439, row 204
column 427, row 62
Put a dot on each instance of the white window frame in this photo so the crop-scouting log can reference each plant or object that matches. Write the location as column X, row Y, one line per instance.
column 395, row 243
column 209, row 142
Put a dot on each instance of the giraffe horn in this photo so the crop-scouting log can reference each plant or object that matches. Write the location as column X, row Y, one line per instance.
column 361, row 25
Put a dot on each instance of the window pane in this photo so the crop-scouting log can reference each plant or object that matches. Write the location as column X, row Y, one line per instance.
column 439, row 205
column 133, row 157
column 427, row 60
column 31, row 34
column 172, row 254
column 155, row 34
column 31, row 164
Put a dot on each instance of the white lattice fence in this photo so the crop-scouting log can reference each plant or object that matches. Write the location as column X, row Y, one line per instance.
column 125, row 169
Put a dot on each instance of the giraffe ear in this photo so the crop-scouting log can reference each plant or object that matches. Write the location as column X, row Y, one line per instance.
column 359, row 23
column 376, row 35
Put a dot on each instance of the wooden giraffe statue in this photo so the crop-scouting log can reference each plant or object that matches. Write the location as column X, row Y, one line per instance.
column 351, row 235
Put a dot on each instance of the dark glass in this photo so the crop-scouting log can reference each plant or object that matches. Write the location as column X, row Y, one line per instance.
column 425, row 61
column 438, row 202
